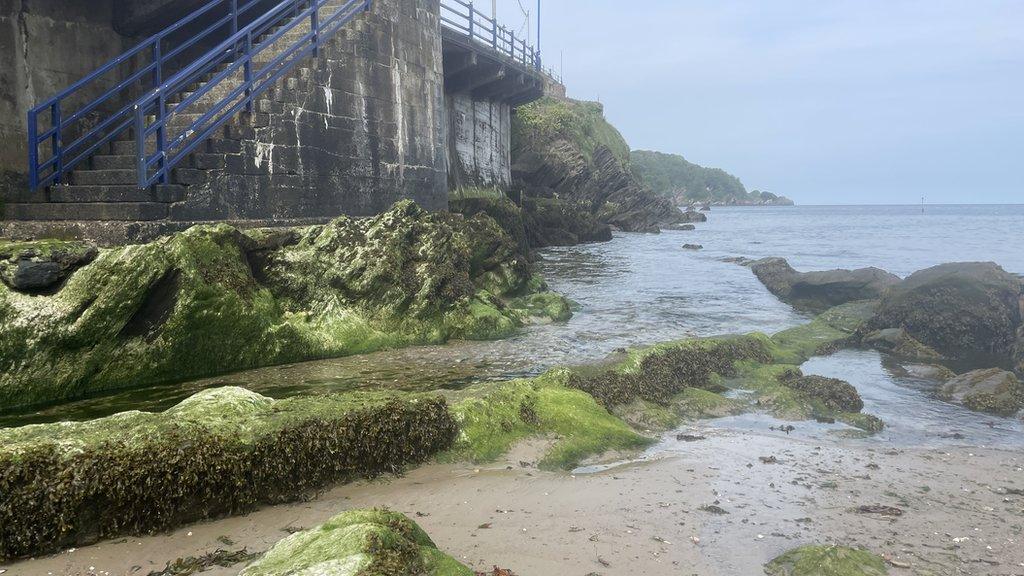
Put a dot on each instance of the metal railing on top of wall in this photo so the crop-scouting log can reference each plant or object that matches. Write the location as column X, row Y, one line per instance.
column 464, row 17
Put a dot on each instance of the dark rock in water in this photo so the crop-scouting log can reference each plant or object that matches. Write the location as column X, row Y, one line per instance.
column 692, row 247
column 41, row 266
column 682, row 227
column 930, row 372
column 897, row 342
column 692, row 216
column 741, row 260
column 689, row 438
column 966, row 311
column 993, row 390
column 818, row 291
column 833, row 393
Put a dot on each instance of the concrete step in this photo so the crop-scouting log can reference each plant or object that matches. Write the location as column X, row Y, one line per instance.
column 98, row 177
column 117, row 211
column 116, row 193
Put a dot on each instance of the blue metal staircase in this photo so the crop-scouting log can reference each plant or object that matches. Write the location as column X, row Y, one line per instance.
column 112, row 156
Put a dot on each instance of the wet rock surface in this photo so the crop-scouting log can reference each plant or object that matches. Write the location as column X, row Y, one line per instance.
column 817, row 291
column 835, row 394
column 897, row 342
column 827, row 561
column 993, row 390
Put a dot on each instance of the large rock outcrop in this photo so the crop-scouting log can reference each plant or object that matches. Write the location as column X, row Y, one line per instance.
column 215, row 299
column 993, row 390
column 566, row 149
column 965, row 311
column 538, row 223
column 820, row 290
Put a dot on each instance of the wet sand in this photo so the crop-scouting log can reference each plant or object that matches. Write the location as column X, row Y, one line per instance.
column 652, row 517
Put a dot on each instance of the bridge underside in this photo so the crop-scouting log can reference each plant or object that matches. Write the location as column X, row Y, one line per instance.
column 475, row 70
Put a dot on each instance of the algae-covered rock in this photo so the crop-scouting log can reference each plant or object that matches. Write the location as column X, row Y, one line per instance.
column 820, row 290
column 214, row 299
column 827, row 561
column 358, row 543
column 993, row 390
column 968, row 311
column 565, row 149
column 222, row 451
column 39, row 266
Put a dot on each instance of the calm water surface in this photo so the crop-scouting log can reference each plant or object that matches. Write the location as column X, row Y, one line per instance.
column 643, row 288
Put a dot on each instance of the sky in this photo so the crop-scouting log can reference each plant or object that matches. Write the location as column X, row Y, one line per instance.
column 837, row 102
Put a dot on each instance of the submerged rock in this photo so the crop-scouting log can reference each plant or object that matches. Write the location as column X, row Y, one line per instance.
column 965, row 311
column 693, row 247
column 40, row 266
column 693, row 216
column 930, row 372
column 358, row 542
column 818, row 291
column 994, row 391
column 214, row 299
column 827, row 561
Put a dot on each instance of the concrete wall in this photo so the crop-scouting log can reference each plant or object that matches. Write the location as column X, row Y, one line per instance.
column 480, row 133
column 45, row 46
column 362, row 127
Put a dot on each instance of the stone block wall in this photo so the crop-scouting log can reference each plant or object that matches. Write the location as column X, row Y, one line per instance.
column 480, row 133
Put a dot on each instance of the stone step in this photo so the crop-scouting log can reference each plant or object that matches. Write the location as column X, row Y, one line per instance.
column 116, row 193
column 117, row 211
column 110, row 162
column 100, row 177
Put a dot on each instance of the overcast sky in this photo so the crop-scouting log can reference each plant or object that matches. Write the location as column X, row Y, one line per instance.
column 840, row 101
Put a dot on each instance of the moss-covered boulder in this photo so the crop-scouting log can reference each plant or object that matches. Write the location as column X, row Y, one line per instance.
column 820, row 290
column 222, row 451
column 566, row 149
column 827, row 561
column 358, row 543
column 969, row 311
column 897, row 342
column 215, row 299
column 993, row 390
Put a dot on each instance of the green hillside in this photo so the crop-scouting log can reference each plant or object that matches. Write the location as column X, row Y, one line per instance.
column 686, row 182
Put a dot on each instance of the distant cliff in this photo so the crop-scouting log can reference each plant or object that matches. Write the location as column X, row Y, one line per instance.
column 565, row 151
column 673, row 176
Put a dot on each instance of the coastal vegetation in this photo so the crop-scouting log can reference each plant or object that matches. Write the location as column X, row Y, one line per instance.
column 673, row 176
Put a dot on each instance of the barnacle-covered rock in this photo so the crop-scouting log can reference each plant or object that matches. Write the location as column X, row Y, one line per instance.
column 993, row 390
column 820, row 290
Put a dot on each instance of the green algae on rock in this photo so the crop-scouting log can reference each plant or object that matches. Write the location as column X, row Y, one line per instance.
column 222, row 451
column 358, row 543
column 215, row 299
column 994, row 391
column 493, row 418
column 827, row 561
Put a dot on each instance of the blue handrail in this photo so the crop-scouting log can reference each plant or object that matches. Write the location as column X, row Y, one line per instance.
column 65, row 156
column 235, row 54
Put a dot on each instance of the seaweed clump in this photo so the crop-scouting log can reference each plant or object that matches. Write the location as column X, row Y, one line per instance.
column 220, row 452
column 827, row 561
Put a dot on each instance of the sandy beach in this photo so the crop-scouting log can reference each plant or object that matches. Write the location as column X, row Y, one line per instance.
column 715, row 507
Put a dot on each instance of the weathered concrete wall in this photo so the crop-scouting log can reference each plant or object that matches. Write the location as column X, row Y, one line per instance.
column 479, row 133
column 45, row 46
column 362, row 127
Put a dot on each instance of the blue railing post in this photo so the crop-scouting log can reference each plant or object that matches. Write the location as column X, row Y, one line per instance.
column 161, row 124
column 314, row 27
column 494, row 34
column 33, row 150
column 234, row 17
column 472, row 20
column 248, row 72
column 512, row 43
column 58, row 150
column 140, row 147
